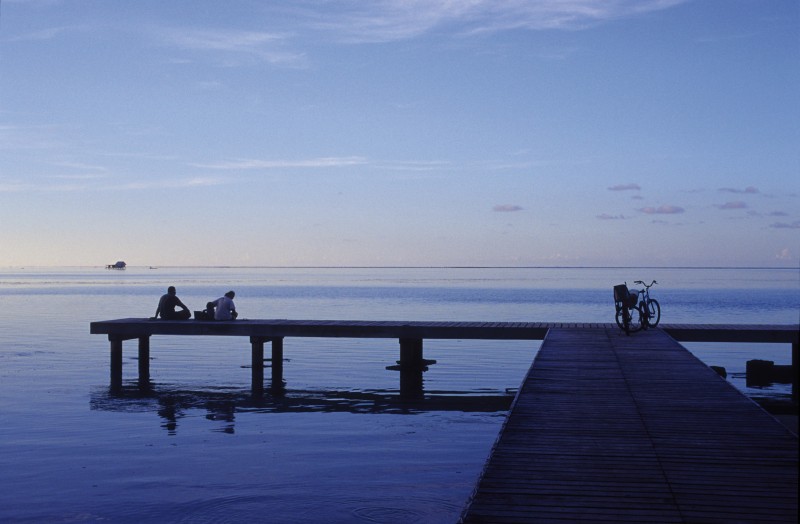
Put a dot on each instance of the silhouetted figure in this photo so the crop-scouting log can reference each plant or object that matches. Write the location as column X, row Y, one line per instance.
column 208, row 312
column 167, row 304
column 224, row 308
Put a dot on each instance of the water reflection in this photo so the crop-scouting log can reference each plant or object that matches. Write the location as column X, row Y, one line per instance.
column 221, row 406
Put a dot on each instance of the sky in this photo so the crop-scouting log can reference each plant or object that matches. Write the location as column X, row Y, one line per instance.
column 400, row 133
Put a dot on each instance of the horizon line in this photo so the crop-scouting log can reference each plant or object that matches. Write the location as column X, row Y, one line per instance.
column 216, row 266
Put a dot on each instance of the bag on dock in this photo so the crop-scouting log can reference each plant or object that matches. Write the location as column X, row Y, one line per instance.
column 206, row 314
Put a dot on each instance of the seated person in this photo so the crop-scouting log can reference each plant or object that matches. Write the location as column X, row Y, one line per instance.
column 224, row 308
column 209, row 311
column 167, row 304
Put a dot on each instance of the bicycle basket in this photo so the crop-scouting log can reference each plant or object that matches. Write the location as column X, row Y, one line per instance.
column 624, row 296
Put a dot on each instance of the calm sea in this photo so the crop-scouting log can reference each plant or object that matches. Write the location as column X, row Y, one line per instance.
column 340, row 446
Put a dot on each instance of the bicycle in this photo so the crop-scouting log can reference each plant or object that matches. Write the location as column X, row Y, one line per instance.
column 649, row 307
column 629, row 315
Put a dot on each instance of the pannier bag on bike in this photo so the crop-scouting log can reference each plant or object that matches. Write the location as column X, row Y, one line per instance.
column 625, row 297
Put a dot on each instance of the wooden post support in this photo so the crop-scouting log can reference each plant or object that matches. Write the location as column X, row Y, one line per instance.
column 411, row 366
column 277, row 364
column 144, row 361
column 257, row 364
column 410, row 353
column 116, row 362
column 795, row 361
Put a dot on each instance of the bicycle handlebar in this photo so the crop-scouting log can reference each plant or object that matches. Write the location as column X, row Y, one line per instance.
column 645, row 285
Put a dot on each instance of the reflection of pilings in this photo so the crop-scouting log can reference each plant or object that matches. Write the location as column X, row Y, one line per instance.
column 131, row 399
column 172, row 405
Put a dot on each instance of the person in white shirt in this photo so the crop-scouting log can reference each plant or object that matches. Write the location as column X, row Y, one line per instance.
column 224, row 308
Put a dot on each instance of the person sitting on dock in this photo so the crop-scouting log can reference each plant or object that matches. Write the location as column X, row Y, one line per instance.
column 224, row 308
column 167, row 304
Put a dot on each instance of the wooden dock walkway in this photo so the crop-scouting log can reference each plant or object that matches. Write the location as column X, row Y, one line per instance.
column 610, row 428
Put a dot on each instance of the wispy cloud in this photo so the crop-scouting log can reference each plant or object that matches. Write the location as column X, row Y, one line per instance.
column 322, row 162
column 507, row 208
column 662, row 210
column 390, row 20
column 49, row 33
column 17, row 137
column 30, row 187
column 258, row 45
column 733, row 205
column 625, row 187
column 80, row 166
column 177, row 183
column 81, row 183
column 786, row 225
column 606, row 216
column 80, row 176
column 422, row 165
column 750, row 190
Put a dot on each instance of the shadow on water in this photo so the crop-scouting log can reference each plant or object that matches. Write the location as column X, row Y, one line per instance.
column 222, row 405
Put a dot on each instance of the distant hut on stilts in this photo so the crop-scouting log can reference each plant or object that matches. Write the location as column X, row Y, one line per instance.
column 118, row 265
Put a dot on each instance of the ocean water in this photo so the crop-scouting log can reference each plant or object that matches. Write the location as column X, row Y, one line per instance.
column 340, row 446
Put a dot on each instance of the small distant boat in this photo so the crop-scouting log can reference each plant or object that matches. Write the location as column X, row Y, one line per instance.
column 118, row 265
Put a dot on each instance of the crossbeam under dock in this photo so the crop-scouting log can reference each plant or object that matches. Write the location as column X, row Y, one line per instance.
column 634, row 429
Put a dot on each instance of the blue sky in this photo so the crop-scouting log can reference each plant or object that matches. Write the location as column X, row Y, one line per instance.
column 436, row 132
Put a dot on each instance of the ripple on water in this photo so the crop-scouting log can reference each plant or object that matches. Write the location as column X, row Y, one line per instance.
column 289, row 509
column 387, row 515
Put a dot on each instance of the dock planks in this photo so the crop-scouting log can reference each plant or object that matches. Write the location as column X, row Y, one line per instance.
column 609, row 428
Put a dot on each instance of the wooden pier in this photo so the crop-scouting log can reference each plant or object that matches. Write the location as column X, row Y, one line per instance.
column 410, row 335
column 605, row 428
column 608, row 428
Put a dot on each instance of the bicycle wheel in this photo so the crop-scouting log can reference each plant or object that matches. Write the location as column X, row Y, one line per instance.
column 654, row 310
column 636, row 323
column 632, row 323
column 619, row 319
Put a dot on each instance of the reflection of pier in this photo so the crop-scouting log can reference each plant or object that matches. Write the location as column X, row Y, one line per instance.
column 410, row 335
column 223, row 406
